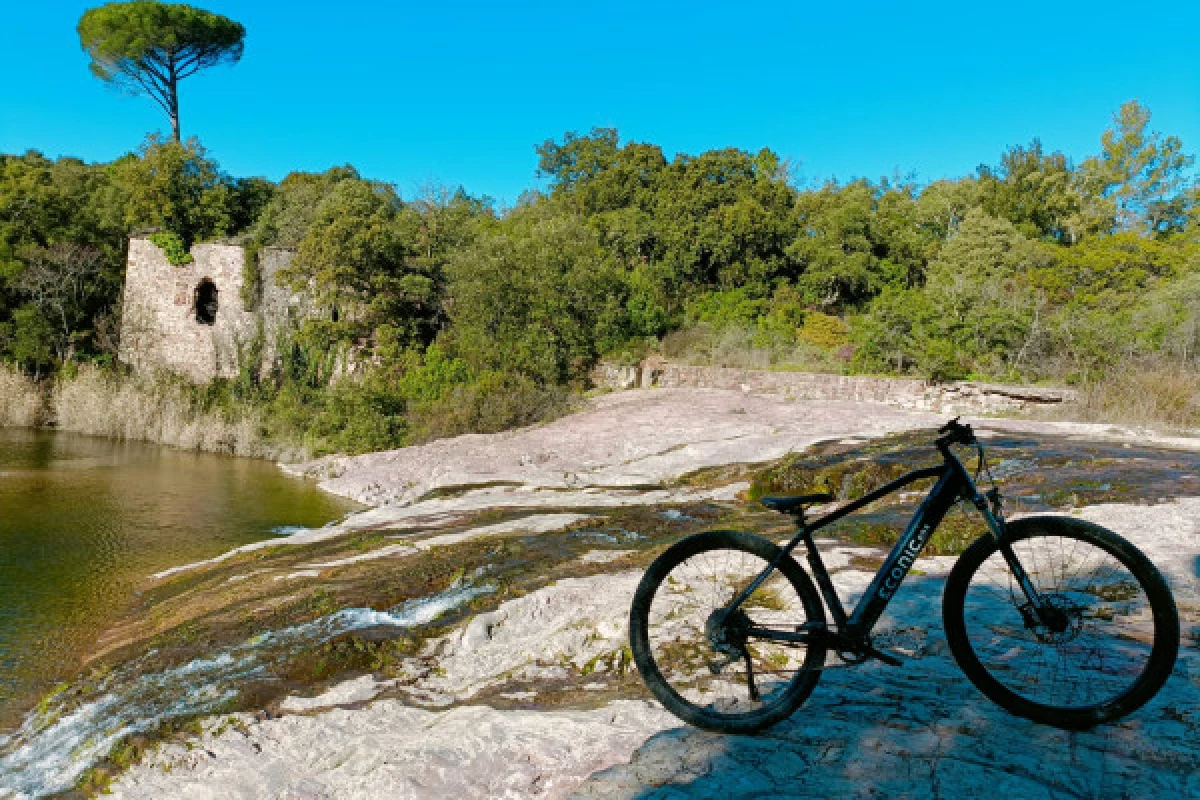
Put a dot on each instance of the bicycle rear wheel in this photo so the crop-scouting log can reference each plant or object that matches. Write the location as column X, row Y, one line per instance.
column 707, row 667
column 1109, row 646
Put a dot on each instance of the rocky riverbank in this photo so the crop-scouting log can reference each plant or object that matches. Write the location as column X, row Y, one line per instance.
column 466, row 636
column 871, row 729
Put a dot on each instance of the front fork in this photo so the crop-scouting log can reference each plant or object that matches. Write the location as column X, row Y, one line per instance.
column 988, row 504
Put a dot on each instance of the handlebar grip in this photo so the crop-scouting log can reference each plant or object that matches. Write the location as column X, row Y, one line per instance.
column 949, row 426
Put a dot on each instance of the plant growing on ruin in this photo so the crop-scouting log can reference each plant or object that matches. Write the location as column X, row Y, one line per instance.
column 173, row 247
column 251, row 289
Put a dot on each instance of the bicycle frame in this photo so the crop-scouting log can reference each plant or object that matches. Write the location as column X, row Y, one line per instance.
column 953, row 484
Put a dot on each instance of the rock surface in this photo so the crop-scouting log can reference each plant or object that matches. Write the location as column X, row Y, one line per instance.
column 623, row 439
column 919, row 730
column 633, row 441
column 392, row 750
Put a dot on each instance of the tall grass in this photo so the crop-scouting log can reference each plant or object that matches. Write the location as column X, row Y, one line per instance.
column 162, row 410
column 746, row 347
column 22, row 404
column 1156, row 394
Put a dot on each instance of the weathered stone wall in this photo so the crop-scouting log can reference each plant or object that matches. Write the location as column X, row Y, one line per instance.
column 159, row 327
column 958, row 397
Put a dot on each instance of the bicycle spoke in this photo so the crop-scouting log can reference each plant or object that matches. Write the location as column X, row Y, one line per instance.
column 1107, row 635
column 726, row 683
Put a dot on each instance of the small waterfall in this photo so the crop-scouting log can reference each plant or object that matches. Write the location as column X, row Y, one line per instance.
column 67, row 733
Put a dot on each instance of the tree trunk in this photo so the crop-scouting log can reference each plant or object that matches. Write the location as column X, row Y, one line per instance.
column 173, row 100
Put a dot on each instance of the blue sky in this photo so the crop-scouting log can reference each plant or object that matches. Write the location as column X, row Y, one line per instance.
column 460, row 93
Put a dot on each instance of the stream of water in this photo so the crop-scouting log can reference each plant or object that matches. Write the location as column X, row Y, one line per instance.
column 83, row 521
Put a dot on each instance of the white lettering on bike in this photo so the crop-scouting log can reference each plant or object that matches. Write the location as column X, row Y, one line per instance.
column 904, row 562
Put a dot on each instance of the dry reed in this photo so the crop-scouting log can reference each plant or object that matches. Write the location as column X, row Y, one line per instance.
column 22, row 404
column 1161, row 396
column 101, row 403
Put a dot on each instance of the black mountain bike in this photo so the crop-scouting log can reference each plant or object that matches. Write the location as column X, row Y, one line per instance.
column 1053, row 618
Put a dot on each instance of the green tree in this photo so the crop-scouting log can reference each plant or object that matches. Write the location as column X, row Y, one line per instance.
column 979, row 285
column 62, row 283
column 293, row 206
column 853, row 240
column 148, row 47
column 1111, row 272
column 894, row 336
column 357, row 260
column 1141, row 177
column 722, row 219
column 62, row 253
column 942, row 206
column 178, row 188
column 1035, row 191
column 597, row 175
column 534, row 295
column 28, row 336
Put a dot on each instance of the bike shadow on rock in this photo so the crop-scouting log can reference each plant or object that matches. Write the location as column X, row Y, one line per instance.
column 922, row 730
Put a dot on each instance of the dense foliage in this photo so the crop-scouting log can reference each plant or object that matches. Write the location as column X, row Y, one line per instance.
column 443, row 314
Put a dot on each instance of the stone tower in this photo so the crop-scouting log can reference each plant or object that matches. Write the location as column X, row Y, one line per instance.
column 191, row 319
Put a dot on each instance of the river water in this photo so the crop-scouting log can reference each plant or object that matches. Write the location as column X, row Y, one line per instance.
column 84, row 521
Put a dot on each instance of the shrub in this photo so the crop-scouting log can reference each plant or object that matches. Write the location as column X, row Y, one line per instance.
column 251, row 289
column 824, row 331
column 173, row 248
column 496, row 401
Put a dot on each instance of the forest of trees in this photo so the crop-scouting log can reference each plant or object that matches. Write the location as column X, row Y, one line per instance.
column 470, row 317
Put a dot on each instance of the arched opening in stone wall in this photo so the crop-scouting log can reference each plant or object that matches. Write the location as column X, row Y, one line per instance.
column 205, row 303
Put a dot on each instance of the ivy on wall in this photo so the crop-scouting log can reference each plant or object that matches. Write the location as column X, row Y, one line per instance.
column 251, row 289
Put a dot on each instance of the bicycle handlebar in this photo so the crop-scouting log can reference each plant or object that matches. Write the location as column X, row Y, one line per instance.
column 955, row 432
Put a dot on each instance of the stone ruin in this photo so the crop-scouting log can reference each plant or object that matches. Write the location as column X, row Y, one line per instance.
column 191, row 319
column 954, row 397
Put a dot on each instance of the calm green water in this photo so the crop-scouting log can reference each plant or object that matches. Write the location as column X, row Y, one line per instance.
column 84, row 520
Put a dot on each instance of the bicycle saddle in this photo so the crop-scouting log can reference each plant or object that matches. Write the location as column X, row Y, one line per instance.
column 791, row 505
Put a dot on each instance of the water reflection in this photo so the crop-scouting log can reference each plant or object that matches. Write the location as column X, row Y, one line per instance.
column 83, row 520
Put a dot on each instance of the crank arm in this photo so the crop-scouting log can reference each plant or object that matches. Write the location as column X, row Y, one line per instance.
column 787, row 637
column 826, row 638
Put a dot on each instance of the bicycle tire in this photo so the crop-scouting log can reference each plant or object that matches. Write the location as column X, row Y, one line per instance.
column 1121, row 625
column 649, row 649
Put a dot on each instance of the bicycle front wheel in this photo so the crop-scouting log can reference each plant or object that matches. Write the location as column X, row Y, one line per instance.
column 707, row 665
column 1105, row 649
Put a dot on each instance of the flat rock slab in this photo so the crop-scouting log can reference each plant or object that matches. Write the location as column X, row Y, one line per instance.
column 919, row 730
column 640, row 439
column 390, row 750
column 922, row 730
column 622, row 439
